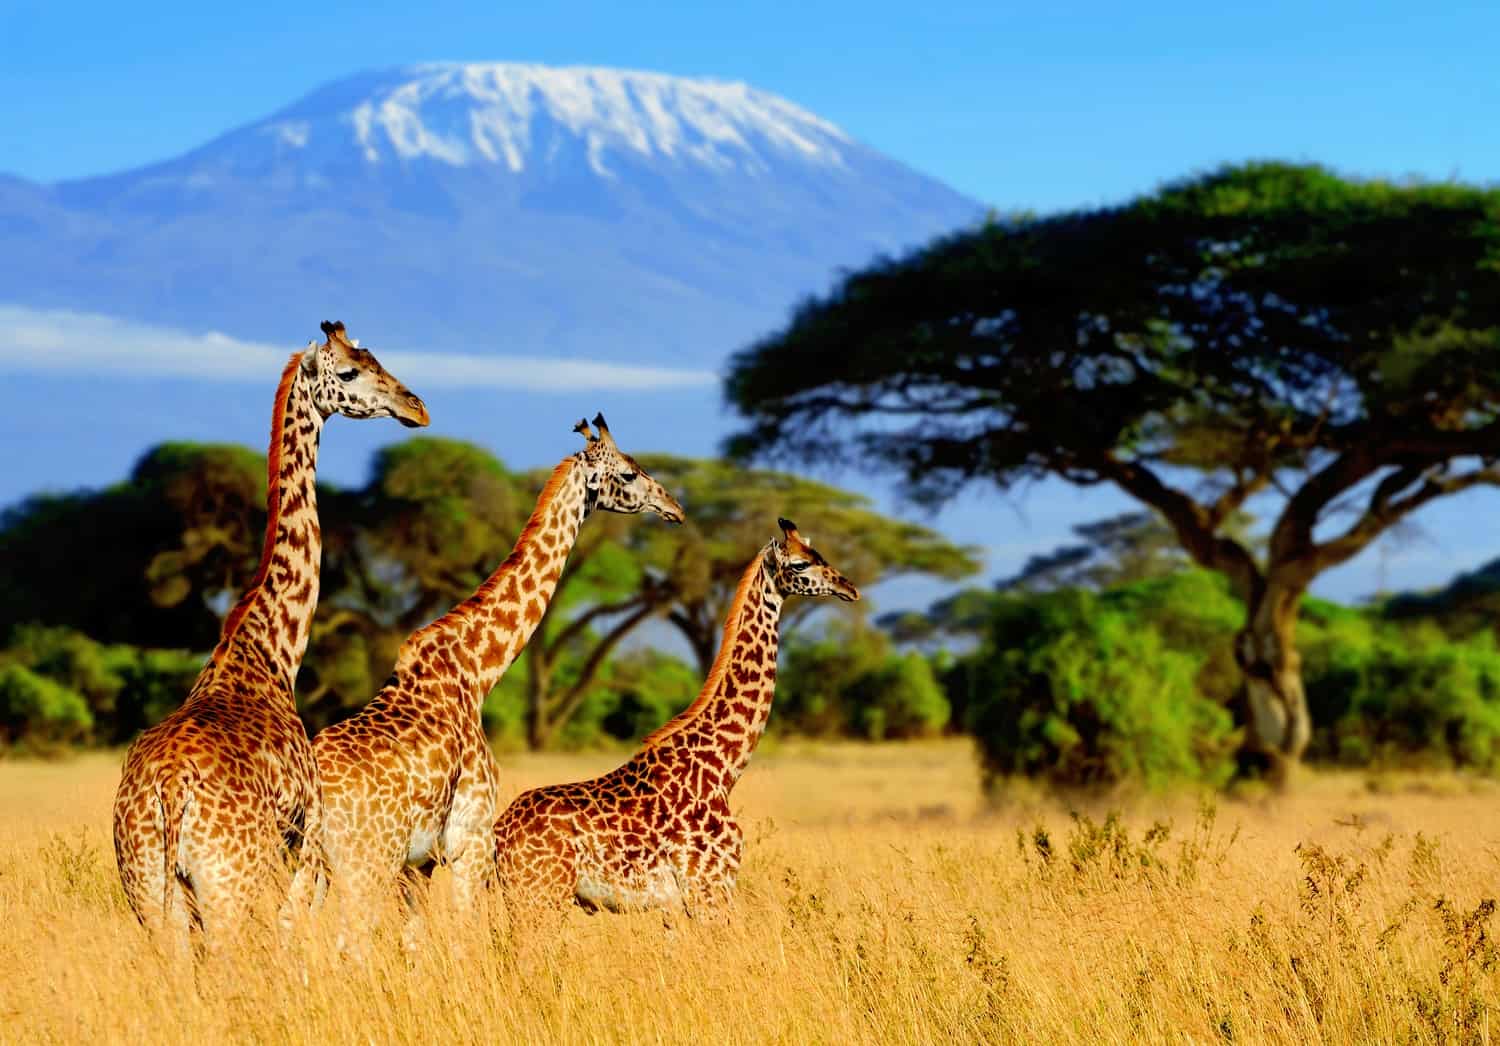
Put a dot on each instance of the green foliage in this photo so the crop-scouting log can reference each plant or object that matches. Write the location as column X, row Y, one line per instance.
column 1205, row 324
column 154, row 682
column 38, row 709
column 1390, row 695
column 898, row 699
column 846, row 681
column 634, row 694
column 1080, row 694
column 149, row 561
column 123, row 688
column 1069, row 684
column 639, row 692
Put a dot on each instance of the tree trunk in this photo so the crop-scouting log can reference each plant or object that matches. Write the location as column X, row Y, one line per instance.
column 704, row 652
column 1266, row 652
column 538, row 680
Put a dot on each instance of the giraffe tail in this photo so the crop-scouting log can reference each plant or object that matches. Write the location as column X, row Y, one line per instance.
column 173, row 790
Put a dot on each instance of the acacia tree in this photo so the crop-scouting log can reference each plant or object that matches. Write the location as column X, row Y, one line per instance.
column 626, row 573
column 1266, row 331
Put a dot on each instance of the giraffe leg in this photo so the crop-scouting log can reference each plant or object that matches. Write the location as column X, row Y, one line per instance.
column 161, row 900
column 473, row 869
column 708, row 889
column 139, row 853
column 416, row 883
column 233, row 858
column 304, row 898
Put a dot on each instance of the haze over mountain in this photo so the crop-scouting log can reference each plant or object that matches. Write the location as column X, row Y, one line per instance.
column 628, row 217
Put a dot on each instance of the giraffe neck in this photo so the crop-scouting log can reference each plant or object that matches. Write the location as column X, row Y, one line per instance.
column 724, row 724
column 274, row 614
column 489, row 630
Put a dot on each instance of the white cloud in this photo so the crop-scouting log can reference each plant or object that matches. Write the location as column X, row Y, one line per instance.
column 55, row 341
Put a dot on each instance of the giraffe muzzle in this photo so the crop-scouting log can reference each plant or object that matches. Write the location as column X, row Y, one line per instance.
column 414, row 413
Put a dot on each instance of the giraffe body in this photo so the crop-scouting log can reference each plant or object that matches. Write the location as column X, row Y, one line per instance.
column 410, row 780
column 658, row 831
column 212, row 797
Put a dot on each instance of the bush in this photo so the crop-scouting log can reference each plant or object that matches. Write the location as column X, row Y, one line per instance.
column 900, row 698
column 1082, row 694
column 34, row 708
column 637, row 692
column 154, row 683
column 846, row 681
column 124, row 689
column 1381, row 694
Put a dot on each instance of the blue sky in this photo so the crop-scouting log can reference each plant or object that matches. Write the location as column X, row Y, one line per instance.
column 1022, row 106
column 1038, row 107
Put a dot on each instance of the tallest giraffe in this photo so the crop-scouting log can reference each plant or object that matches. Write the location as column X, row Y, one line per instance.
column 209, row 796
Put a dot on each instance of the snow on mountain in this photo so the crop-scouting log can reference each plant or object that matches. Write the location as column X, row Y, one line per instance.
column 497, row 112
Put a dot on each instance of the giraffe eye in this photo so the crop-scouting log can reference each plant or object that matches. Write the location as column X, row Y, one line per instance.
column 348, row 375
column 798, row 567
column 627, row 477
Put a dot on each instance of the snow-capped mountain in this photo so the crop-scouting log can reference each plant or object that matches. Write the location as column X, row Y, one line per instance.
column 582, row 212
column 517, row 116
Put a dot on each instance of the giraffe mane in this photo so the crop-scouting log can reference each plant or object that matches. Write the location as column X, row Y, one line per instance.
column 273, row 498
column 721, row 660
column 534, row 521
column 528, row 532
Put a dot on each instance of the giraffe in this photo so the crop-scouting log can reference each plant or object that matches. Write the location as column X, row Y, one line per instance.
column 410, row 780
column 211, row 796
column 658, row 830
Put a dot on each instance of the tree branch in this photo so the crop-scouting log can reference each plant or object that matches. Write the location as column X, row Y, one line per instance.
column 1388, row 507
column 564, row 707
column 577, row 626
column 1292, row 537
column 1191, row 522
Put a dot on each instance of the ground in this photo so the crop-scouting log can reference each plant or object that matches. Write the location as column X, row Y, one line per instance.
column 881, row 899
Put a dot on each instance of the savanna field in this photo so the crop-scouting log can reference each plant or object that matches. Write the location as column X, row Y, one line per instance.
column 882, row 899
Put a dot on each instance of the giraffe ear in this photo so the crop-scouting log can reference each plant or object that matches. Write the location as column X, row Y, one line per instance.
column 311, row 359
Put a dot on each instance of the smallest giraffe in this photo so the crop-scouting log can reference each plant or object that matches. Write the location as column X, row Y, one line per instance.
column 658, row 831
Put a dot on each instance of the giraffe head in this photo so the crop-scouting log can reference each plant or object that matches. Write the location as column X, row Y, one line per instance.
column 616, row 482
column 349, row 380
column 798, row 569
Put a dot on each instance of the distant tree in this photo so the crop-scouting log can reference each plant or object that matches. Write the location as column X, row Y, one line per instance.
column 962, row 614
column 633, row 571
column 731, row 511
column 155, row 561
column 1468, row 603
column 1264, row 330
column 845, row 680
column 150, row 561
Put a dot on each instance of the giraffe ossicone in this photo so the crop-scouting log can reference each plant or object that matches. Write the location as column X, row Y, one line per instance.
column 658, row 830
column 210, row 797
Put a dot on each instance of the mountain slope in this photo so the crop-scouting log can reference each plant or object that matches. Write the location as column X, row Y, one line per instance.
column 492, row 207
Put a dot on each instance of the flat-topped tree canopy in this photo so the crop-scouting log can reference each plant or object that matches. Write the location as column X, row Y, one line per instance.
column 1267, row 327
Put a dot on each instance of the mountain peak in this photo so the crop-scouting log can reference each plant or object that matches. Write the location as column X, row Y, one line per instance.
column 514, row 115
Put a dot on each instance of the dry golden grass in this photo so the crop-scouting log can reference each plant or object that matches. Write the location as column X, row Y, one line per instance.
column 880, row 900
